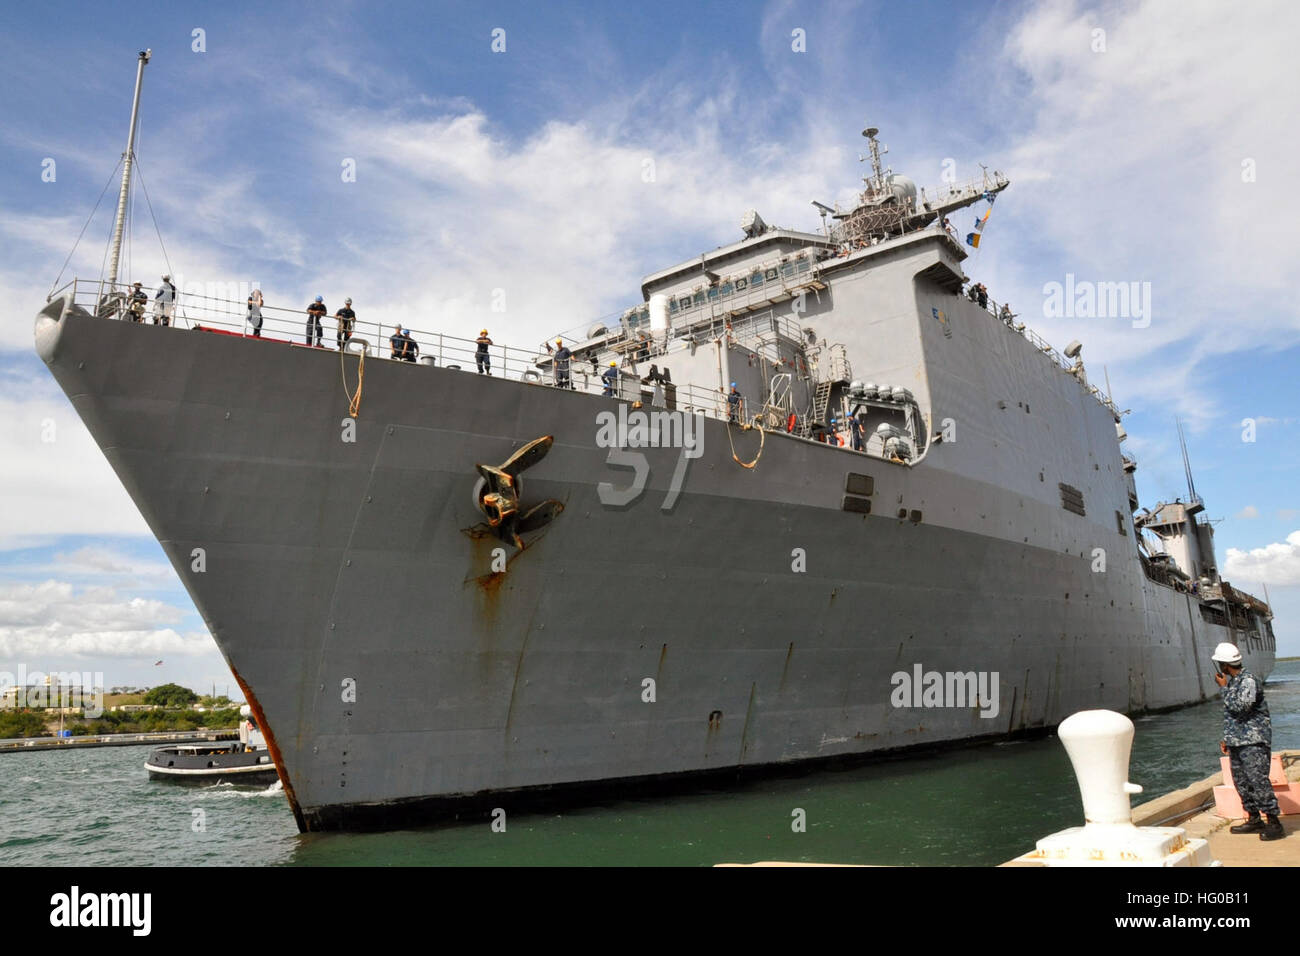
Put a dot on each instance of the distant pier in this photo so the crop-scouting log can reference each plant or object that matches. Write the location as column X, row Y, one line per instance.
column 21, row 744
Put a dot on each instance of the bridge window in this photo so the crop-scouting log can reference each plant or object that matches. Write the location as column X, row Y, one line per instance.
column 699, row 298
column 756, row 279
column 728, row 288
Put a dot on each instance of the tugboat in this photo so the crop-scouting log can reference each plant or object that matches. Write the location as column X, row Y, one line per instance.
column 247, row 761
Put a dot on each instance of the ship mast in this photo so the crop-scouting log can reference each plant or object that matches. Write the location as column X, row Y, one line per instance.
column 128, row 160
column 1193, row 498
column 877, row 180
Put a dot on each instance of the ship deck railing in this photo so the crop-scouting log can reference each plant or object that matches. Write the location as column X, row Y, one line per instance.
column 285, row 326
column 1042, row 345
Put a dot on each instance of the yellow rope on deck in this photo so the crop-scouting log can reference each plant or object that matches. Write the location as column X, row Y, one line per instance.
column 762, row 440
column 354, row 400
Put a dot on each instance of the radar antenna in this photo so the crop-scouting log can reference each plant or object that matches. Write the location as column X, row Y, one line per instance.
column 825, row 210
column 888, row 204
column 878, row 172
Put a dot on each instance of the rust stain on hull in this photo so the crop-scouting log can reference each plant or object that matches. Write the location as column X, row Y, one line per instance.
column 272, row 746
column 491, row 583
column 487, row 586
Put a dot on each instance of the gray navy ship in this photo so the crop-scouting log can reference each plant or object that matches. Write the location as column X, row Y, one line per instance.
column 446, row 589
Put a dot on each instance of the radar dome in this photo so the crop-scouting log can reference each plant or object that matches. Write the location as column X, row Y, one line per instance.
column 904, row 189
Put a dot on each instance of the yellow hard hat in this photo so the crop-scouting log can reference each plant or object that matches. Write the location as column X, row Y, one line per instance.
column 482, row 331
column 613, row 365
column 559, row 341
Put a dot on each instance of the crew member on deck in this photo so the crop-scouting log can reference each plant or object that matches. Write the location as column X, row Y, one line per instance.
column 347, row 319
column 734, row 400
column 255, row 304
column 404, row 348
column 1247, row 741
column 315, row 312
column 481, row 357
column 856, row 432
column 561, row 359
column 610, row 378
column 836, row 436
column 164, row 302
column 138, row 302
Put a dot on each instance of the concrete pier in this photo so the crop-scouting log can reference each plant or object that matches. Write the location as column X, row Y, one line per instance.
column 1192, row 808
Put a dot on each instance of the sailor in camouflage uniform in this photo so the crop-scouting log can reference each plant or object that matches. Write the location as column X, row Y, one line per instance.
column 1247, row 740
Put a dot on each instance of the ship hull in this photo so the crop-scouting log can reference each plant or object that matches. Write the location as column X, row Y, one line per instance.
column 398, row 671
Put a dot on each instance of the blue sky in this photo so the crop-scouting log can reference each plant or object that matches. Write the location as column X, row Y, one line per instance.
column 522, row 171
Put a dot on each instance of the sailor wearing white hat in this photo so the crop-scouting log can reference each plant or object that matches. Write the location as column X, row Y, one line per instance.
column 164, row 305
column 1247, row 741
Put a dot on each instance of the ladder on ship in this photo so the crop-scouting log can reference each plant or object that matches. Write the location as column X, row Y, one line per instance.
column 821, row 402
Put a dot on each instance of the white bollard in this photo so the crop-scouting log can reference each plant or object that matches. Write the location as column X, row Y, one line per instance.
column 1099, row 743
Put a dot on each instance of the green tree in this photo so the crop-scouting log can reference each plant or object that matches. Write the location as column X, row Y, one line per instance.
column 171, row 695
column 22, row 723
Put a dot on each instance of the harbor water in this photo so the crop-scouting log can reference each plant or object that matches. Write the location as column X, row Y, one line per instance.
column 973, row 806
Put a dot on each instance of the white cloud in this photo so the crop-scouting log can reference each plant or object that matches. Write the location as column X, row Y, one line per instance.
column 54, row 620
column 106, row 565
column 1118, row 154
column 60, row 486
column 1276, row 564
column 1250, row 511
